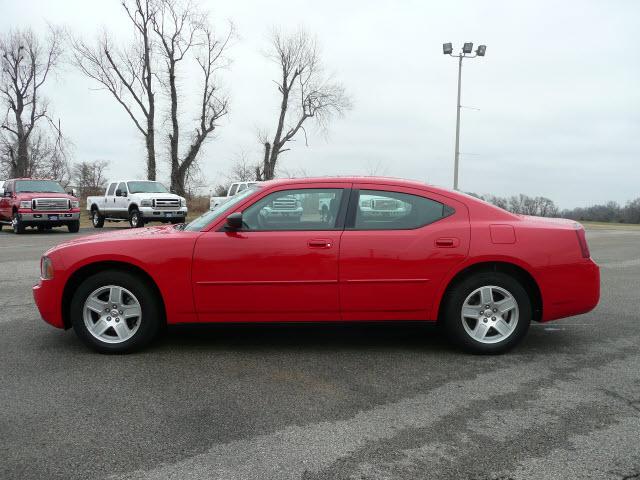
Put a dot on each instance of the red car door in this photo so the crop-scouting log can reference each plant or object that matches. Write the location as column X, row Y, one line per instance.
column 398, row 245
column 283, row 264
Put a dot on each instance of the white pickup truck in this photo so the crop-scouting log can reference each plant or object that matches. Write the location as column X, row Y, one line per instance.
column 234, row 188
column 139, row 202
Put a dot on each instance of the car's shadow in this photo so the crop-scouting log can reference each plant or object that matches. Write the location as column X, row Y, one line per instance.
column 296, row 336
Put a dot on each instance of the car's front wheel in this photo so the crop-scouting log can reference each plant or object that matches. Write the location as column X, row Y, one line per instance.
column 115, row 312
column 488, row 312
column 17, row 223
column 74, row 227
column 135, row 218
column 96, row 219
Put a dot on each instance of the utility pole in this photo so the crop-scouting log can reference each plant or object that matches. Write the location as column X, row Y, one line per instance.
column 447, row 49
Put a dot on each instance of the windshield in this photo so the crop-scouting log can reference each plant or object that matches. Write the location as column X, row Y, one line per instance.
column 42, row 186
column 208, row 217
column 146, row 187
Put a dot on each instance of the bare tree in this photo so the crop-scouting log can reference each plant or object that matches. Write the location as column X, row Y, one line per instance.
column 90, row 177
column 180, row 27
column 127, row 73
column 306, row 92
column 25, row 65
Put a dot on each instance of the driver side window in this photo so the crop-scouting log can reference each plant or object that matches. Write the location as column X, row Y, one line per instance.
column 304, row 209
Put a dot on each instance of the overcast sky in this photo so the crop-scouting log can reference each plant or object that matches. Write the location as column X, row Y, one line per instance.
column 558, row 92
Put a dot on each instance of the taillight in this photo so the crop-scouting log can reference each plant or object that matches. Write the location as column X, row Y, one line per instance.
column 582, row 240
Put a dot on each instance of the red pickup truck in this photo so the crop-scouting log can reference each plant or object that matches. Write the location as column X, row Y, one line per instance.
column 27, row 202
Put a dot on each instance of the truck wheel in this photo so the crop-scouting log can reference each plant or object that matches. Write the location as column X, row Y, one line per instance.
column 16, row 223
column 97, row 219
column 74, row 227
column 135, row 219
column 487, row 313
column 115, row 312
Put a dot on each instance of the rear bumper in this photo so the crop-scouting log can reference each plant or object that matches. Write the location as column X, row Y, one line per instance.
column 48, row 298
column 569, row 290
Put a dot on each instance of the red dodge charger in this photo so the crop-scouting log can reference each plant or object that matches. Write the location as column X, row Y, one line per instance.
column 326, row 249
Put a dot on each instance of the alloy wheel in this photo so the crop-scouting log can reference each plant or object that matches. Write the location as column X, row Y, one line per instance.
column 490, row 314
column 112, row 314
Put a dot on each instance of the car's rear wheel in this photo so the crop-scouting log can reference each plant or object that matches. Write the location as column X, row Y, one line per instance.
column 17, row 223
column 97, row 219
column 135, row 218
column 115, row 312
column 488, row 312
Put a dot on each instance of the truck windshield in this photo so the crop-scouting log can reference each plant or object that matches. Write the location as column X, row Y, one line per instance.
column 146, row 187
column 208, row 217
column 40, row 186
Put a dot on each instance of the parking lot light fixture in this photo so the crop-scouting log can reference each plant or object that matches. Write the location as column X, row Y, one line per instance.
column 467, row 49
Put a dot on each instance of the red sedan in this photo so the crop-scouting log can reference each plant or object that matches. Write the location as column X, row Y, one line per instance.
column 329, row 249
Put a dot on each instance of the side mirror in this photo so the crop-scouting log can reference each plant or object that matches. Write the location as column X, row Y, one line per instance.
column 234, row 221
column 118, row 192
column 71, row 192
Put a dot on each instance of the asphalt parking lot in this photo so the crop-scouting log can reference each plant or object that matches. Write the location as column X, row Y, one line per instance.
column 323, row 402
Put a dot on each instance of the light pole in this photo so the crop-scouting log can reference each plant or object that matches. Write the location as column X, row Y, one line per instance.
column 467, row 48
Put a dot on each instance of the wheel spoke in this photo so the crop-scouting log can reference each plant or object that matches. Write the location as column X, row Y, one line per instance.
column 115, row 295
column 470, row 312
column 100, row 327
column 502, row 327
column 122, row 330
column 96, row 305
column 480, row 331
column 486, row 295
column 131, row 311
column 505, row 305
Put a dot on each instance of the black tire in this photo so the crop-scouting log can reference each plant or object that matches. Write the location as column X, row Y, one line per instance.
column 96, row 219
column 18, row 225
column 151, row 319
column 41, row 228
column 455, row 325
column 135, row 218
column 74, row 227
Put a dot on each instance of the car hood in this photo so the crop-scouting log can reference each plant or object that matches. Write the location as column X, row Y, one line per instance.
column 120, row 235
column 32, row 195
column 172, row 196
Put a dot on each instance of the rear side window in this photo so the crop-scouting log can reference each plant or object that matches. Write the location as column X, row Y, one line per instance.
column 233, row 189
column 384, row 210
column 112, row 189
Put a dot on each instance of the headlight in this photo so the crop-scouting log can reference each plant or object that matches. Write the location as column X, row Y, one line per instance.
column 145, row 203
column 25, row 204
column 183, row 202
column 46, row 268
column 75, row 203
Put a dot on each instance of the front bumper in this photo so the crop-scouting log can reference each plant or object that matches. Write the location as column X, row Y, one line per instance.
column 48, row 218
column 48, row 297
column 152, row 214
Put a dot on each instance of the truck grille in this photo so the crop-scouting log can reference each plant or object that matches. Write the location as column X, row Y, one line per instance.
column 285, row 203
column 51, row 204
column 166, row 203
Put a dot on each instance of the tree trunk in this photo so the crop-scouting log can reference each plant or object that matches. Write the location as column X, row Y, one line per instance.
column 177, row 183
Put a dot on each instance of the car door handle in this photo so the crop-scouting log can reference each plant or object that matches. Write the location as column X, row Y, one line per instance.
column 447, row 242
column 319, row 243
